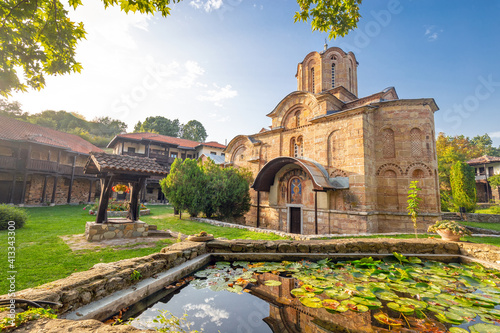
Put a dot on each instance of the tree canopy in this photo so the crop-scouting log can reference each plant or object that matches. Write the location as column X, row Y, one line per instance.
column 194, row 130
column 160, row 125
column 39, row 37
column 98, row 131
column 207, row 188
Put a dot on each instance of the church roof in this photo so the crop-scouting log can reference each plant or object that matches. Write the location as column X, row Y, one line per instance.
column 320, row 179
column 16, row 130
column 485, row 159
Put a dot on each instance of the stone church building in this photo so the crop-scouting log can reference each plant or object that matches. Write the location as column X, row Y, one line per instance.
column 333, row 162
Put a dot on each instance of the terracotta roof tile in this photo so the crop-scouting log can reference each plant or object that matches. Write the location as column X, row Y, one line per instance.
column 102, row 162
column 164, row 139
column 17, row 130
column 485, row 159
column 158, row 138
column 212, row 144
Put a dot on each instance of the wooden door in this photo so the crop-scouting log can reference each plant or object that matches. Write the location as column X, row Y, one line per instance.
column 295, row 218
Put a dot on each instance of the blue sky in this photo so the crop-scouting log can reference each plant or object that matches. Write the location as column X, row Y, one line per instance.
column 227, row 63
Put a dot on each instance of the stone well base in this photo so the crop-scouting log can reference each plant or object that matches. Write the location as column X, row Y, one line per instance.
column 115, row 228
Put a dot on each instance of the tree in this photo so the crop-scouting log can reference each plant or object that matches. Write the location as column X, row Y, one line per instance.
column 160, row 125
column 195, row 131
column 337, row 17
column 463, row 186
column 11, row 109
column 39, row 37
column 413, row 203
column 207, row 188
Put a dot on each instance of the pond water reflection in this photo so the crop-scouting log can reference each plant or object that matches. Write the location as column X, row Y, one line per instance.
column 397, row 294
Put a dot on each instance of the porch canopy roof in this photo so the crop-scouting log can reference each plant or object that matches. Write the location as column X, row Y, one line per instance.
column 320, row 179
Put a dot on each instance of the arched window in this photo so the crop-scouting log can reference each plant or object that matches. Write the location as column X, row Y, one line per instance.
column 333, row 74
column 417, row 174
column 416, row 142
column 299, row 147
column 350, row 79
column 388, row 143
column 292, row 147
column 297, row 117
column 312, row 80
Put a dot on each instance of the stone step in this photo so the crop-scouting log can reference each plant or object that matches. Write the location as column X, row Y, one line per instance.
column 159, row 233
column 153, row 227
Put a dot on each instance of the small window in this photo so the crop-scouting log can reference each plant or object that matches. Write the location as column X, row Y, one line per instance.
column 189, row 156
column 131, row 149
column 213, row 153
column 333, row 74
column 222, row 154
column 297, row 117
column 490, row 171
column 183, row 156
column 481, row 171
column 312, row 80
column 174, row 155
column 149, row 190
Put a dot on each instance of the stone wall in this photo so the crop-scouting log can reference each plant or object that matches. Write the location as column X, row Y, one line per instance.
column 104, row 279
column 79, row 192
column 472, row 217
column 101, row 231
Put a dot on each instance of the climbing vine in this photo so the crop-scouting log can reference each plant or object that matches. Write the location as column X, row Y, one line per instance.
column 463, row 186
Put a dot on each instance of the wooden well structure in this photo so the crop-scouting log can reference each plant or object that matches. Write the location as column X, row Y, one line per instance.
column 112, row 169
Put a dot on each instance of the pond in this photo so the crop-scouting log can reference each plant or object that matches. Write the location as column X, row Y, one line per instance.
column 396, row 294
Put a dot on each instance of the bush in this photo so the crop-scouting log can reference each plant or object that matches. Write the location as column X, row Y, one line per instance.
column 11, row 213
column 463, row 186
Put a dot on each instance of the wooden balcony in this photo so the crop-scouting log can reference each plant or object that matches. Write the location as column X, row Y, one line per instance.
column 41, row 165
column 8, row 162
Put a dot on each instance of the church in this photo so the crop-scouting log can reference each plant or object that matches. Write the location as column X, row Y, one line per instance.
column 335, row 163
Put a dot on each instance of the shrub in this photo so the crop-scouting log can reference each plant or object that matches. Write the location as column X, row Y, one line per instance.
column 452, row 226
column 11, row 213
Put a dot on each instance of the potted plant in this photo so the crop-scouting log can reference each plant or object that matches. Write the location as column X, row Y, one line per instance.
column 449, row 230
column 202, row 236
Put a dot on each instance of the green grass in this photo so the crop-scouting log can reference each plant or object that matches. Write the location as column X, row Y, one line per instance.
column 42, row 256
column 491, row 210
column 165, row 219
column 491, row 226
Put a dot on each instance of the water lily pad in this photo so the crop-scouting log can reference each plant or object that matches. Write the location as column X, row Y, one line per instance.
column 371, row 304
column 457, row 330
column 235, row 289
column 404, row 309
column 299, row 292
column 311, row 302
column 484, row 328
column 272, row 283
column 387, row 296
column 386, row 320
column 353, row 306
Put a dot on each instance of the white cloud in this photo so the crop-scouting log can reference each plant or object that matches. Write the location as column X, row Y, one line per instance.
column 207, row 5
column 432, row 33
column 218, row 94
column 206, row 310
column 494, row 135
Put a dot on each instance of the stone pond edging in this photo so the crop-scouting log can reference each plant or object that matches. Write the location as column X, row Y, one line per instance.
column 101, row 280
column 472, row 217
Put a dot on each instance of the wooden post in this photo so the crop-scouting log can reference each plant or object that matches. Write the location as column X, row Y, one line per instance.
column 11, row 200
column 133, row 209
column 44, row 190
column 258, row 209
column 106, row 185
column 90, row 190
column 72, row 179
column 54, row 189
column 316, row 211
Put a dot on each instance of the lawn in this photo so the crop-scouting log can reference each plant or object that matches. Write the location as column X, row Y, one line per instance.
column 42, row 256
column 491, row 210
